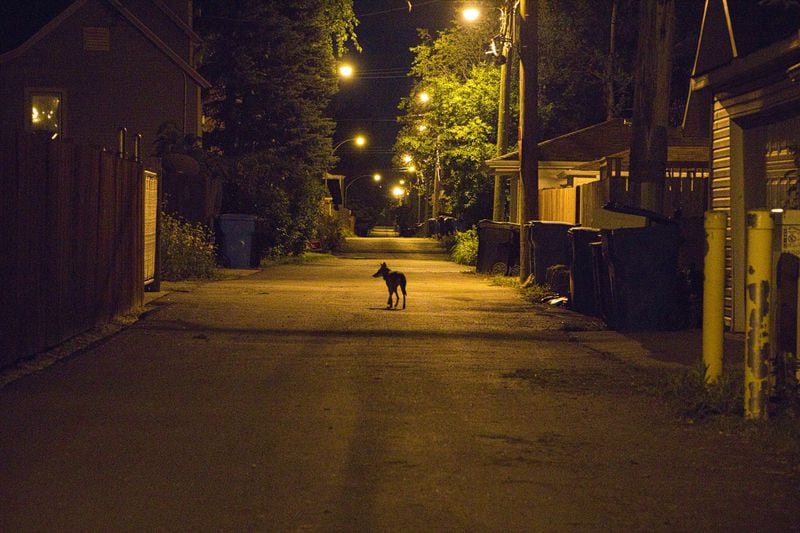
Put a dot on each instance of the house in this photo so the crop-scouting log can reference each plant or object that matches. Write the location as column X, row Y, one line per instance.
column 563, row 153
column 745, row 95
column 576, row 159
column 86, row 68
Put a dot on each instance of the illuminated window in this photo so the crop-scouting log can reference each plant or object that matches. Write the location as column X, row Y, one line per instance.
column 45, row 111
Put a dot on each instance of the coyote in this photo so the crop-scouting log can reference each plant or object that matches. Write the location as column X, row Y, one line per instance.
column 393, row 281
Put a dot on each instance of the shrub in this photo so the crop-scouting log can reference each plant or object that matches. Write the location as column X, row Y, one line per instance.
column 331, row 233
column 187, row 250
column 465, row 249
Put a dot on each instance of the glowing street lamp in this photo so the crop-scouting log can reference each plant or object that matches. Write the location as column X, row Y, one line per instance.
column 346, row 70
column 407, row 158
column 424, row 97
column 359, row 140
column 375, row 177
column 398, row 192
column 471, row 13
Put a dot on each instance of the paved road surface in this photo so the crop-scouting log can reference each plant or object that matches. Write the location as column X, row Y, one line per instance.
column 291, row 400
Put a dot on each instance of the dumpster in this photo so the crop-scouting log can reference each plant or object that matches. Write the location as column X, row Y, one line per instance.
column 642, row 265
column 549, row 245
column 581, row 276
column 498, row 247
column 237, row 239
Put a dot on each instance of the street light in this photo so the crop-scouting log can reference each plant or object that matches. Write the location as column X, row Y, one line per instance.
column 375, row 177
column 360, row 140
column 346, row 70
column 471, row 13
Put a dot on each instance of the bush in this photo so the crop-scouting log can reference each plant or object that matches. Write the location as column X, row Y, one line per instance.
column 331, row 233
column 187, row 250
column 465, row 249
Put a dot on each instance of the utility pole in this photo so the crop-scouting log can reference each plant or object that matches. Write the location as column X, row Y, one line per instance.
column 507, row 53
column 608, row 82
column 528, row 120
column 436, row 185
column 651, row 102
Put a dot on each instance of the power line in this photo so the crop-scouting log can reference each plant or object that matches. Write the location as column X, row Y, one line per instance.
column 395, row 9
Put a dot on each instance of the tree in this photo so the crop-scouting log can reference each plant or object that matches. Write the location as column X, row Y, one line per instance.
column 459, row 121
column 271, row 64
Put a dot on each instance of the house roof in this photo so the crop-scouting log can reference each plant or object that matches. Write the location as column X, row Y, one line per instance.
column 678, row 156
column 49, row 14
column 735, row 28
column 594, row 143
column 738, row 37
column 21, row 20
column 587, row 144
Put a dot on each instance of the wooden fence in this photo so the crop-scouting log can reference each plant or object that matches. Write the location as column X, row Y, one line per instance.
column 72, row 239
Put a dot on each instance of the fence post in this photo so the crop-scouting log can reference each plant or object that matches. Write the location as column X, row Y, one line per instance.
column 122, row 139
column 757, row 305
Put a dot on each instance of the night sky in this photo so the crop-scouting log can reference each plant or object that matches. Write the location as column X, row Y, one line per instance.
column 367, row 104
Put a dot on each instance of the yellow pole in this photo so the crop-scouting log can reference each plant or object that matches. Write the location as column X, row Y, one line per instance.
column 757, row 291
column 713, row 294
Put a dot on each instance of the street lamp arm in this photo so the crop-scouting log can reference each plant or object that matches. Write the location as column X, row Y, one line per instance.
column 359, row 140
column 375, row 177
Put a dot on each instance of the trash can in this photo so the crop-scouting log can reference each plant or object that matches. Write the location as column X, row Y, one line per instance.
column 549, row 245
column 642, row 268
column 498, row 247
column 581, row 275
column 237, row 239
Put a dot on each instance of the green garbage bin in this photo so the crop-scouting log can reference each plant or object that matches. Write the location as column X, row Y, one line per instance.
column 498, row 247
column 642, row 268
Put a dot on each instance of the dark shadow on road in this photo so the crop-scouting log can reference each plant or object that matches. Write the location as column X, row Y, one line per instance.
column 500, row 335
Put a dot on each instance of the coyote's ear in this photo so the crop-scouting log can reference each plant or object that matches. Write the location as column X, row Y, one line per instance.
column 383, row 264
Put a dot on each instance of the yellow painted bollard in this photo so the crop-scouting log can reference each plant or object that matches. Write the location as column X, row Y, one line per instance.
column 757, row 309
column 714, row 294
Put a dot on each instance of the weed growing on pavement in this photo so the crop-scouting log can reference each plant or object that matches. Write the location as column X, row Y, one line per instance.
column 533, row 292
column 697, row 400
column 306, row 257
column 187, row 250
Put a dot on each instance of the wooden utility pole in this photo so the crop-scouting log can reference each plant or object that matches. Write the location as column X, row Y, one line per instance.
column 528, row 127
column 651, row 102
column 507, row 52
column 608, row 82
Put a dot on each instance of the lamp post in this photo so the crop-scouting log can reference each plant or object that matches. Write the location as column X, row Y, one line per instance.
column 375, row 177
column 359, row 140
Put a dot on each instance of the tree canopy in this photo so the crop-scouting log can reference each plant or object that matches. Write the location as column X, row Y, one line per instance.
column 272, row 66
column 457, row 126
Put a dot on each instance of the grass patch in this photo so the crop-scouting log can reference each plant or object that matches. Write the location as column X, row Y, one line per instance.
column 695, row 399
column 305, row 257
column 533, row 292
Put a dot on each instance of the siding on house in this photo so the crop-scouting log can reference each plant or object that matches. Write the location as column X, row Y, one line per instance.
column 720, row 192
